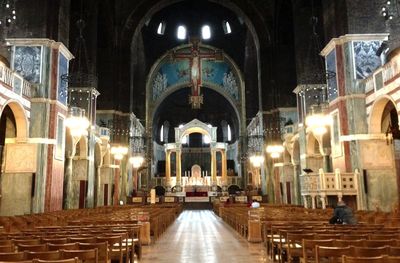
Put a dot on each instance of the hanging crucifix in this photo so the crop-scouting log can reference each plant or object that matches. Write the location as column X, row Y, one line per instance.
column 195, row 57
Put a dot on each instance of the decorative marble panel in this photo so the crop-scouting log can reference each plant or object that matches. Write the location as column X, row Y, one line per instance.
column 20, row 158
column 332, row 76
column 27, row 62
column 62, row 87
column 17, row 85
column 59, row 154
column 365, row 59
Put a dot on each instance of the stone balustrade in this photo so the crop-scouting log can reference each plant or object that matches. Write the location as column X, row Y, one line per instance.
column 14, row 81
column 329, row 184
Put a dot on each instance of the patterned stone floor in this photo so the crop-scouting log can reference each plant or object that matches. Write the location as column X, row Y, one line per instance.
column 201, row 236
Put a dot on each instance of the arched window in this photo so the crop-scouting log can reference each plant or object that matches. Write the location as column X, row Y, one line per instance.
column 227, row 27
column 229, row 132
column 206, row 32
column 181, row 33
column 162, row 133
column 161, row 28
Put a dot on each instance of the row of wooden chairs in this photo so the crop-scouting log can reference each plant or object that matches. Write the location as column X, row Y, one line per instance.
column 379, row 259
column 88, row 254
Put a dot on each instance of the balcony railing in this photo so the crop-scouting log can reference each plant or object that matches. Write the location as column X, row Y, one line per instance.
column 383, row 75
column 336, row 183
column 14, row 81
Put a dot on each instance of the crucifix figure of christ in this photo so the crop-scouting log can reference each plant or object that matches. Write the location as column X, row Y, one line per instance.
column 195, row 57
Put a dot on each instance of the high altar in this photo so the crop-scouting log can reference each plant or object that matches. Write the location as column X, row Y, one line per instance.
column 196, row 180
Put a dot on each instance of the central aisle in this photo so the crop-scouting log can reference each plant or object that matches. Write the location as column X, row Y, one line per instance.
column 201, row 236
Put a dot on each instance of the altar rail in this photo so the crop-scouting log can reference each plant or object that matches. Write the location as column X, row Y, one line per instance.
column 329, row 184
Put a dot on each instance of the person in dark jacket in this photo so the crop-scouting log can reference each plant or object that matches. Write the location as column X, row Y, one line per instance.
column 343, row 214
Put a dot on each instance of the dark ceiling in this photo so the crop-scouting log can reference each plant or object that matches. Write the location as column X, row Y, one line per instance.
column 193, row 15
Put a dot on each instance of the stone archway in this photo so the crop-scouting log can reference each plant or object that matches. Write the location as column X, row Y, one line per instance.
column 16, row 184
column 377, row 117
column 21, row 121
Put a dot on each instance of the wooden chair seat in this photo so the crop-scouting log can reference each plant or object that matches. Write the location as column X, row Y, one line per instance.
column 7, row 248
column 102, row 250
column 47, row 255
column 55, row 240
column 392, row 259
column 69, row 246
column 308, row 248
column 85, row 255
column 347, row 259
column 35, row 248
column 116, row 249
column 331, row 254
column 13, row 256
column 69, row 260
column 370, row 251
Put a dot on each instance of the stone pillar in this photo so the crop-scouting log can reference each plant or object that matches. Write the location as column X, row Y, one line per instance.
column 117, row 172
column 296, row 184
column 213, row 166
column 305, row 201
column 313, row 205
column 224, row 168
column 168, row 167
column 68, row 183
column 323, row 201
column 178, row 167
column 135, row 179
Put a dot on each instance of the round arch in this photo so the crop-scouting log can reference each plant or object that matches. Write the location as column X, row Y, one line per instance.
column 155, row 99
column 21, row 120
column 260, row 33
column 377, row 109
column 196, row 126
column 312, row 144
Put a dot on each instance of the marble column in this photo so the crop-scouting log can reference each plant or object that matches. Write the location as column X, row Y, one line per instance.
column 178, row 167
column 117, row 172
column 224, row 168
column 213, row 167
column 68, row 196
column 168, row 167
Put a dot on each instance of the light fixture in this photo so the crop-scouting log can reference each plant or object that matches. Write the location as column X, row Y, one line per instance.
column 206, row 32
column 181, row 33
column 257, row 160
column 8, row 12
column 77, row 122
column 184, row 139
column 206, row 139
column 119, row 152
column 318, row 123
column 136, row 161
column 275, row 150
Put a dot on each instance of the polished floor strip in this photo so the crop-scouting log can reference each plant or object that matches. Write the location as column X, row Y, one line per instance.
column 201, row 236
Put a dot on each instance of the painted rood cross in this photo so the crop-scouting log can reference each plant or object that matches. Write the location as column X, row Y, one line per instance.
column 195, row 57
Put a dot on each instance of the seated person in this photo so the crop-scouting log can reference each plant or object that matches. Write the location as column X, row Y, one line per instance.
column 255, row 204
column 343, row 214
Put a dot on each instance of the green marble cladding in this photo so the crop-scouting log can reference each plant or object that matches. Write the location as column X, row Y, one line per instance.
column 40, row 121
column 382, row 189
